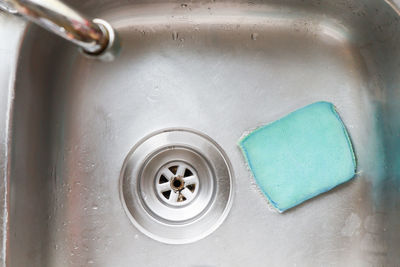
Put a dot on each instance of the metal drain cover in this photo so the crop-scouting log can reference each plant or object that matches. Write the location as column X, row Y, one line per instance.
column 177, row 183
column 176, row 186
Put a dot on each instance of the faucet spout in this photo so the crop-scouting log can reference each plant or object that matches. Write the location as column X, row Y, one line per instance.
column 92, row 35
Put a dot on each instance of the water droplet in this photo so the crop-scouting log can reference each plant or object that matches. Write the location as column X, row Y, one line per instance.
column 90, row 262
column 174, row 36
column 136, row 236
column 254, row 36
column 184, row 5
column 94, row 207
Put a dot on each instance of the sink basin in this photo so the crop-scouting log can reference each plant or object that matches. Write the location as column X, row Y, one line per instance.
column 211, row 70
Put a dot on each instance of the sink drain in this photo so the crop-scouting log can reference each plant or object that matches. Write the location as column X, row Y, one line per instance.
column 176, row 186
column 177, row 183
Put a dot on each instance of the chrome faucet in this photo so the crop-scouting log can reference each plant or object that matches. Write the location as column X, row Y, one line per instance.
column 94, row 36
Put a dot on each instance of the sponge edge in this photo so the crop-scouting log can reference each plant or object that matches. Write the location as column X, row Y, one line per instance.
column 300, row 156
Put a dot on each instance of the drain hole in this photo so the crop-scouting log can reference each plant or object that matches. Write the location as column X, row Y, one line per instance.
column 181, row 198
column 187, row 173
column 167, row 194
column 163, row 180
column 173, row 169
column 191, row 187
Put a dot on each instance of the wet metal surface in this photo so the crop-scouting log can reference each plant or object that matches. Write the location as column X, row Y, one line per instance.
column 221, row 68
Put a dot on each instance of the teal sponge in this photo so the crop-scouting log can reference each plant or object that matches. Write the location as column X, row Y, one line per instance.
column 300, row 156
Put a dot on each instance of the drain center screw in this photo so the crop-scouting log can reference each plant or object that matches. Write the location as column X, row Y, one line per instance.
column 177, row 183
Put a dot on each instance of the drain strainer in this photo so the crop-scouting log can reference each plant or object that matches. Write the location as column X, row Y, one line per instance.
column 177, row 183
column 176, row 186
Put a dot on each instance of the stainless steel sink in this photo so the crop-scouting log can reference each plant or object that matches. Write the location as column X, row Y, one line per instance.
column 77, row 132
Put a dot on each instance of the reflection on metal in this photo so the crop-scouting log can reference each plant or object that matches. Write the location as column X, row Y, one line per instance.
column 5, row 6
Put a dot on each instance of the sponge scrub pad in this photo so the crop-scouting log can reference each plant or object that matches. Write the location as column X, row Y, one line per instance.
column 300, row 156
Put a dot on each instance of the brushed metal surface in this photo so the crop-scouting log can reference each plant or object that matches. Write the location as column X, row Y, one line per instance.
column 222, row 68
